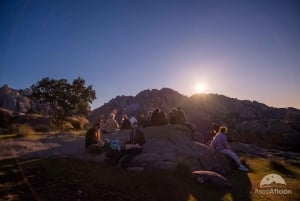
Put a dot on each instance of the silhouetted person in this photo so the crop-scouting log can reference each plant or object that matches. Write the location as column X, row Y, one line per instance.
column 154, row 121
column 162, row 118
column 93, row 142
column 180, row 117
column 125, row 123
column 172, row 118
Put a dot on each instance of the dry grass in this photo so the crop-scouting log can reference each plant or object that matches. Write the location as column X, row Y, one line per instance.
column 25, row 130
column 61, row 179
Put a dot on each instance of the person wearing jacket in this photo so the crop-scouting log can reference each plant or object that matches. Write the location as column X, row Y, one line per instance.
column 134, row 145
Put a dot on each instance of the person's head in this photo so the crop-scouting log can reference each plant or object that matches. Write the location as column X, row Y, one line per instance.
column 112, row 115
column 222, row 129
column 134, row 123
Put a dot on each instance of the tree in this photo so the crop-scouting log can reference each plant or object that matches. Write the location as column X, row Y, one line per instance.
column 65, row 99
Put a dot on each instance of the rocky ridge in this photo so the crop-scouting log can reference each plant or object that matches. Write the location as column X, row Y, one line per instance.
column 278, row 127
column 248, row 121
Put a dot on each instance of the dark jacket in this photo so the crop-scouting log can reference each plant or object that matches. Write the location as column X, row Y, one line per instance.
column 91, row 137
column 136, row 137
column 126, row 124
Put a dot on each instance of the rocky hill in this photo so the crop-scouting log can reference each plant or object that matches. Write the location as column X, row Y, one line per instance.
column 263, row 125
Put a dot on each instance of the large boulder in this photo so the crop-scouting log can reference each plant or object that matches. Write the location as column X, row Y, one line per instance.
column 277, row 134
column 6, row 117
column 168, row 147
column 211, row 179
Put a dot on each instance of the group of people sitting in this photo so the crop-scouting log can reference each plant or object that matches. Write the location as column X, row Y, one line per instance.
column 134, row 145
column 116, row 151
column 156, row 117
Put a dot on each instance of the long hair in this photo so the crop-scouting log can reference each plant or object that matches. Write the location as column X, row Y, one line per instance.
column 222, row 129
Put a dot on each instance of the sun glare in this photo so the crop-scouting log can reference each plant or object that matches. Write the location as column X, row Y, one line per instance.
column 200, row 87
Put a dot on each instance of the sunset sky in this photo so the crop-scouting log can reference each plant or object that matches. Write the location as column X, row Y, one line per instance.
column 241, row 49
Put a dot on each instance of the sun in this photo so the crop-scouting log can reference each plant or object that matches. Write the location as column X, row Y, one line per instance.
column 200, row 87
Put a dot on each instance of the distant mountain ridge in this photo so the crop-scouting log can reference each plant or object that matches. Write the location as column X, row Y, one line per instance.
column 248, row 121
column 206, row 106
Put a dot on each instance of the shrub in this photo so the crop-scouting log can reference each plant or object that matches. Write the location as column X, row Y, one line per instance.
column 25, row 130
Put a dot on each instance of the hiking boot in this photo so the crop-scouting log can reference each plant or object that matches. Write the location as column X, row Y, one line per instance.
column 243, row 168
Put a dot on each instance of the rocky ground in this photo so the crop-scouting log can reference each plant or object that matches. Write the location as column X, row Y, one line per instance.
column 67, row 145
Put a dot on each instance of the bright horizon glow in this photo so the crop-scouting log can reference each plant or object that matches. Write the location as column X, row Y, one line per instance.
column 200, row 87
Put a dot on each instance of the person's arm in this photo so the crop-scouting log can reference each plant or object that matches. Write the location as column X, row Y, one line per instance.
column 224, row 142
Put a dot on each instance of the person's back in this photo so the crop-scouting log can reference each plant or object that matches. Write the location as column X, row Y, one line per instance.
column 180, row 116
column 111, row 125
column 220, row 141
column 220, row 144
column 126, row 124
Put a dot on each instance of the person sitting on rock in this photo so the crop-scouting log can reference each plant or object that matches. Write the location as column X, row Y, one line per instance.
column 111, row 125
column 134, row 145
column 180, row 116
column 125, row 123
column 172, row 116
column 93, row 142
column 220, row 144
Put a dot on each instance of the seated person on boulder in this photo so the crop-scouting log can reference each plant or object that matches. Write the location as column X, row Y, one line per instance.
column 125, row 123
column 111, row 125
column 220, row 144
column 134, row 145
column 93, row 142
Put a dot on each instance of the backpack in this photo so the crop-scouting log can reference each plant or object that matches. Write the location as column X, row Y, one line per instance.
column 113, row 153
column 115, row 145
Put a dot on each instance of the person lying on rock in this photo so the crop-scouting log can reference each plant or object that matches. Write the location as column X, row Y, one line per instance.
column 134, row 145
column 220, row 144
column 93, row 142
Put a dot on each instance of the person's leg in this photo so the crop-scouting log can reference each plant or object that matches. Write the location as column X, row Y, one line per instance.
column 129, row 155
column 232, row 155
column 95, row 148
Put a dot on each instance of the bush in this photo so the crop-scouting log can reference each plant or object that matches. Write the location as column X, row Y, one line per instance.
column 25, row 130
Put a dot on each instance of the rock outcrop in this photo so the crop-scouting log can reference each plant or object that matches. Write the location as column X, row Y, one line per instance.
column 278, row 134
column 168, row 147
column 20, row 101
column 147, row 100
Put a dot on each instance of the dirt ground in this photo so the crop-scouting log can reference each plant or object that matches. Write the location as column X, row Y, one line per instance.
column 60, row 146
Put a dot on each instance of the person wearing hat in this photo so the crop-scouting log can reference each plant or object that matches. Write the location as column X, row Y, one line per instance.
column 134, row 145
